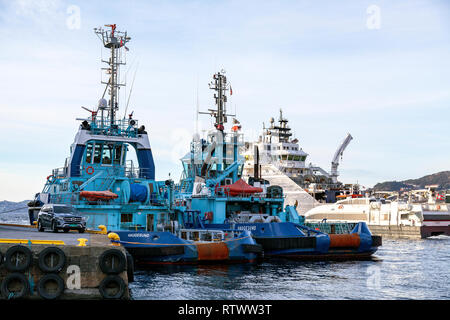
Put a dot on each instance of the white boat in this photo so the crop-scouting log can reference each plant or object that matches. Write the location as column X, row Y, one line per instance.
column 277, row 157
column 370, row 210
column 430, row 219
column 436, row 212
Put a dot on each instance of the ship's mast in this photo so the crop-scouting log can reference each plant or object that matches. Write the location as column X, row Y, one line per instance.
column 114, row 41
column 220, row 85
column 283, row 129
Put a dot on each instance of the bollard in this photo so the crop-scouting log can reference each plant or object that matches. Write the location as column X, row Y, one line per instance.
column 102, row 229
column 82, row 242
column 114, row 236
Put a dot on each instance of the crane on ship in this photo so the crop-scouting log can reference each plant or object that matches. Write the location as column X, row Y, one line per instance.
column 338, row 156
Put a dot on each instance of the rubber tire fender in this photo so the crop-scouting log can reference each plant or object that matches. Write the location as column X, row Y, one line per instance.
column 52, row 250
column 1, row 258
column 118, row 267
column 130, row 267
column 11, row 277
column 112, row 279
column 10, row 266
column 41, row 286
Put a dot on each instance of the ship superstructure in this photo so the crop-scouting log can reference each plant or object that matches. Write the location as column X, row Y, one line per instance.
column 98, row 177
column 277, row 154
column 207, row 218
column 213, row 195
column 101, row 182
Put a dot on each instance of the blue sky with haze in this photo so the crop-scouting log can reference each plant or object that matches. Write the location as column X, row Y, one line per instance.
column 317, row 60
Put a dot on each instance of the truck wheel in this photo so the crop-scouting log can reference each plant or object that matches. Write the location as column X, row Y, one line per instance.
column 54, row 228
column 40, row 227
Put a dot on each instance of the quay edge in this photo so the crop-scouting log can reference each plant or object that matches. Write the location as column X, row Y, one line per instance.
column 83, row 260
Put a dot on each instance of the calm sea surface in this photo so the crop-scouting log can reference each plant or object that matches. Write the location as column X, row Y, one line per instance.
column 402, row 269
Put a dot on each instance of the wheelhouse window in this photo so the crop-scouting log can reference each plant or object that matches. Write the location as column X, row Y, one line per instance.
column 97, row 153
column 117, row 154
column 126, row 218
column 89, row 149
column 107, row 154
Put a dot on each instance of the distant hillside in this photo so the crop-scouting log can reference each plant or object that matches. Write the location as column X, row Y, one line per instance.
column 9, row 206
column 441, row 178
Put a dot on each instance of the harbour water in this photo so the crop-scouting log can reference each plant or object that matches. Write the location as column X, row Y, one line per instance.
column 402, row 269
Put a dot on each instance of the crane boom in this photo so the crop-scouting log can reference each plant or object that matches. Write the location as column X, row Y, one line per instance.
column 337, row 155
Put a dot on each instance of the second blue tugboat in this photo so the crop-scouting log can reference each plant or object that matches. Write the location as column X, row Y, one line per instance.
column 212, row 195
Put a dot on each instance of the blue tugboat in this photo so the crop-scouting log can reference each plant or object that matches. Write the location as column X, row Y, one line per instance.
column 212, row 195
column 106, row 188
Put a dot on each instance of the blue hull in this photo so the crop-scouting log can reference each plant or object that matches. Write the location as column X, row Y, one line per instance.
column 167, row 248
column 291, row 240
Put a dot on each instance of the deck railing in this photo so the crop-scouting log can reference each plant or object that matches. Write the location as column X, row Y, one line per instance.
column 125, row 127
column 207, row 235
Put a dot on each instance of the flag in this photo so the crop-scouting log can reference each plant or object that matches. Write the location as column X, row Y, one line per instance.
column 231, row 91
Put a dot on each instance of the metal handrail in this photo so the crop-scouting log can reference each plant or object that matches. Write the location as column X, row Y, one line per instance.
column 213, row 235
column 223, row 192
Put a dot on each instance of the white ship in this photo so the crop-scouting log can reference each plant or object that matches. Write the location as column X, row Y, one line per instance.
column 278, row 158
column 430, row 218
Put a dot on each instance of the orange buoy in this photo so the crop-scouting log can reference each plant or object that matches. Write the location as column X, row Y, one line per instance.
column 208, row 216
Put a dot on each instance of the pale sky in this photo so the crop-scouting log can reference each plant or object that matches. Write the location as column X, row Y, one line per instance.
column 376, row 69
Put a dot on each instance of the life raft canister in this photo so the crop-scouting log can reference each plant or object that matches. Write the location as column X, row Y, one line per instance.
column 209, row 215
column 89, row 170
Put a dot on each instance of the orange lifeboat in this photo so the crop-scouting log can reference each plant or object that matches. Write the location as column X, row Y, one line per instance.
column 98, row 195
column 240, row 187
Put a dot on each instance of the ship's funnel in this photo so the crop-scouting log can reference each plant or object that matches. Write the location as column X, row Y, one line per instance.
column 256, row 172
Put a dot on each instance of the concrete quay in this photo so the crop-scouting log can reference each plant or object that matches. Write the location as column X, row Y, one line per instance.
column 97, row 270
